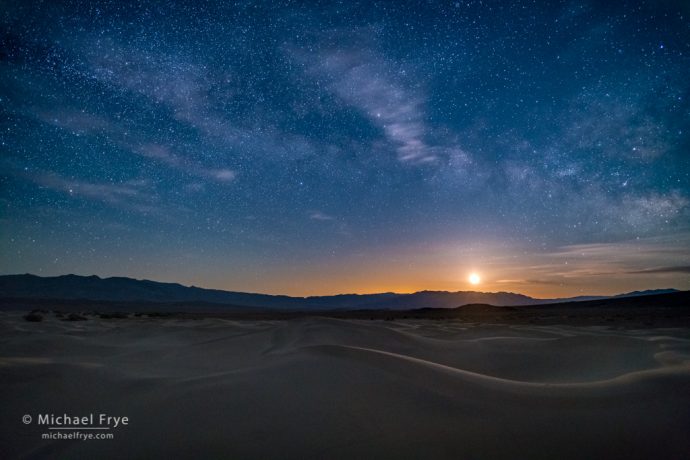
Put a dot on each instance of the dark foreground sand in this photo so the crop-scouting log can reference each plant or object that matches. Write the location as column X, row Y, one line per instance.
column 330, row 388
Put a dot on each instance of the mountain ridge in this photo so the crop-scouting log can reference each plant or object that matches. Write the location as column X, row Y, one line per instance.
column 124, row 289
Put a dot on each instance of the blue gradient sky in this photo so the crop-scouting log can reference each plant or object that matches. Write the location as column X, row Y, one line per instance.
column 329, row 147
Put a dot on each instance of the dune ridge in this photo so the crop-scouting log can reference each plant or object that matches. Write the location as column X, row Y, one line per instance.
column 336, row 388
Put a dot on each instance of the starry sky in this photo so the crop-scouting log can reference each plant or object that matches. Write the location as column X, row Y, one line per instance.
column 329, row 147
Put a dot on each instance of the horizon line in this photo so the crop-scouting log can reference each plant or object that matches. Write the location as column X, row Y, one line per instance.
column 333, row 295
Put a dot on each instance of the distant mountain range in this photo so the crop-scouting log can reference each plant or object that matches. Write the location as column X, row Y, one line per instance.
column 128, row 290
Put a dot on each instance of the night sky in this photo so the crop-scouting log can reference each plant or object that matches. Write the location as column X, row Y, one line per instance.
column 331, row 147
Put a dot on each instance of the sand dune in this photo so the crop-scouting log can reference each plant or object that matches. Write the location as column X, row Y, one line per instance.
column 329, row 388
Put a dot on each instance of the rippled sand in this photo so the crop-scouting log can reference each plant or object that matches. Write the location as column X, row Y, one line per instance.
column 328, row 388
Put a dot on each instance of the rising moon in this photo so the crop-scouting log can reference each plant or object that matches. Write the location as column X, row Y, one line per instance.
column 474, row 278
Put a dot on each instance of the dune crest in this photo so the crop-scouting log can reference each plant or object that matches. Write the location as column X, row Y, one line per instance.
column 324, row 387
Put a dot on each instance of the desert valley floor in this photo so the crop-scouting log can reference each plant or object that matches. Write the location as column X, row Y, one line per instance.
column 332, row 388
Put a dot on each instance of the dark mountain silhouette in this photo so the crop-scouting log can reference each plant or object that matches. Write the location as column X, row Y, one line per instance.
column 647, row 292
column 121, row 289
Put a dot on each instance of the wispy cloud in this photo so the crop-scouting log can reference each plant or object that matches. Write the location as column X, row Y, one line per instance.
column 84, row 123
column 168, row 80
column 131, row 195
column 165, row 155
column 334, row 224
column 590, row 262
column 625, row 249
column 77, row 121
column 318, row 215
column 662, row 270
column 195, row 97
column 364, row 79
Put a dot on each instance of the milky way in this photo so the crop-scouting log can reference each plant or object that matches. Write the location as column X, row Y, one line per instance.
column 318, row 147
